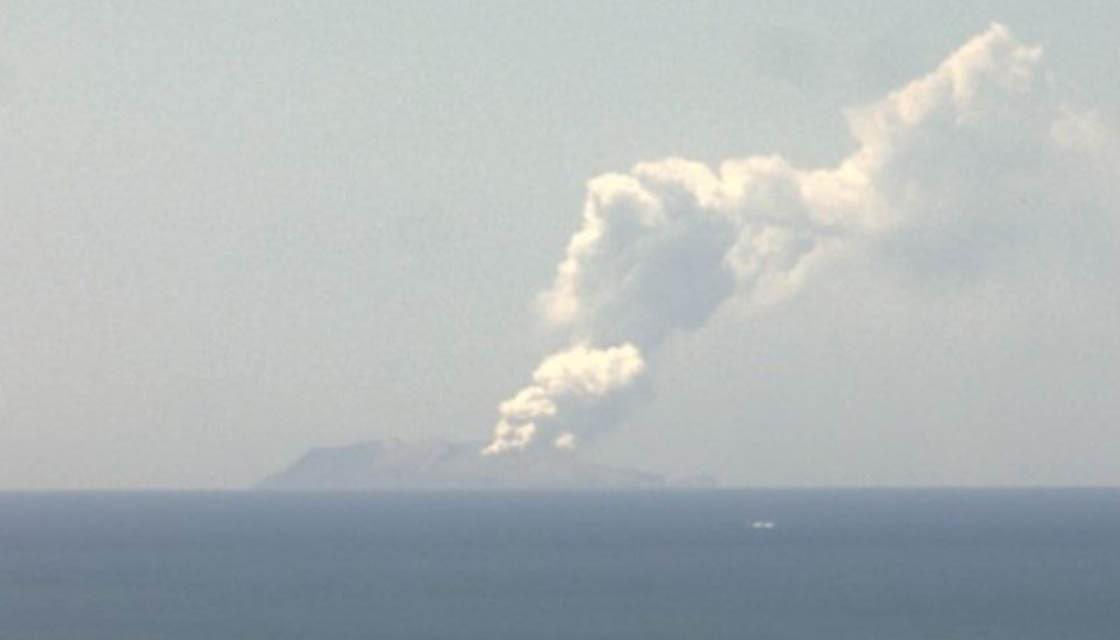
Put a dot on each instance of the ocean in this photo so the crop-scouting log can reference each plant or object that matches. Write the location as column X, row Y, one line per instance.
column 765, row 564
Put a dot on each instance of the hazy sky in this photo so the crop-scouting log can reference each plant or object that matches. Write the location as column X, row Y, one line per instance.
column 233, row 231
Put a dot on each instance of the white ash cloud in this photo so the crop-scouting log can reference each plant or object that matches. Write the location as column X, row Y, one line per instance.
column 581, row 386
column 951, row 173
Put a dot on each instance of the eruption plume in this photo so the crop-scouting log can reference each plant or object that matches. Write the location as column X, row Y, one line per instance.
column 935, row 182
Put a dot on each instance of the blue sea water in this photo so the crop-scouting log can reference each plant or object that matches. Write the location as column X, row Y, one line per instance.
column 835, row 565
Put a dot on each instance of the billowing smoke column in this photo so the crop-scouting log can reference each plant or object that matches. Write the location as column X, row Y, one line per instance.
column 939, row 166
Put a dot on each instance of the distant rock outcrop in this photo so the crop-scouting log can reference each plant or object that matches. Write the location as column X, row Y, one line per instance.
column 436, row 465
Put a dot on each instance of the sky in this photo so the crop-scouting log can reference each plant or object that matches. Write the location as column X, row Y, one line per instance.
column 232, row 232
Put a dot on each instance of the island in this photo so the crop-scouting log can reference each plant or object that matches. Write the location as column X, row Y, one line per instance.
column 399, row 465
